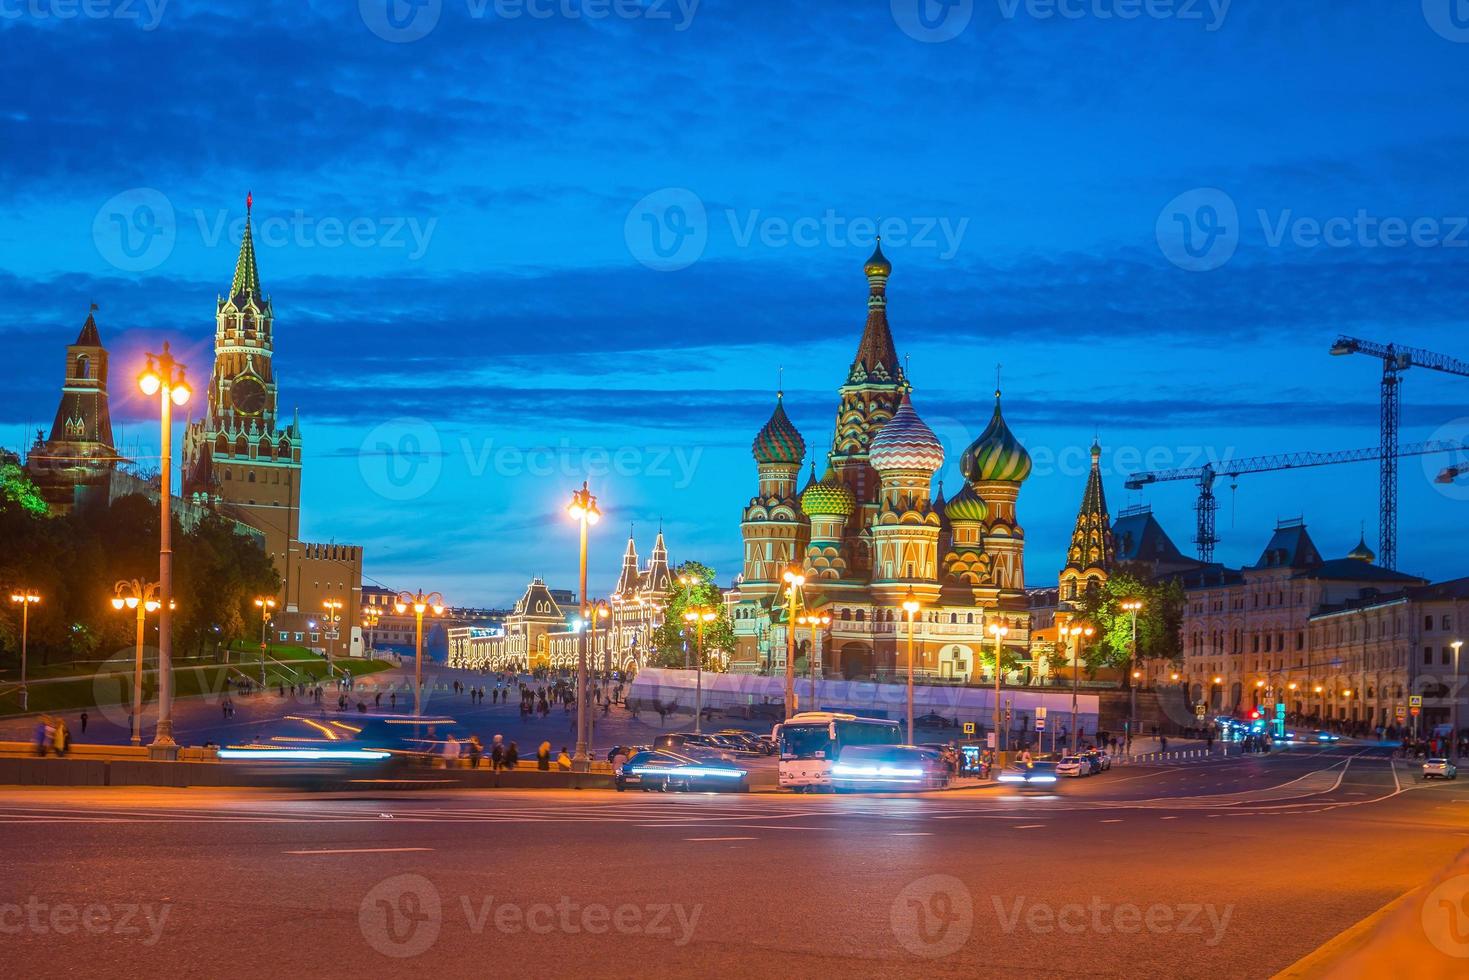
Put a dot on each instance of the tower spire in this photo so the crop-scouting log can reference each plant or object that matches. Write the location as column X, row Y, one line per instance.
column 247, row 276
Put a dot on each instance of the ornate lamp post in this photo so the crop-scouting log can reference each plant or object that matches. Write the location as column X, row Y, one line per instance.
column 794, row 581
column 26, row 598
column 1076, row 633
column 998, row 631
column 370, row 618
column 910, row 607
column 164, row 377
column 1132, row 606
column 583, row 510
column 266, row 605
column 332, row 619
column 814, row 621
column 699, row 616
column 1454, row 705
column 135, row 595
column 420, row 604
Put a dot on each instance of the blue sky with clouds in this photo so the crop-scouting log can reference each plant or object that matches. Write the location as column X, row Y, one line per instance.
column 513, row 243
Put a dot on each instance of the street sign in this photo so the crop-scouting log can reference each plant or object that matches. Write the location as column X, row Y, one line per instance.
column 969, row 728
column 1402, row 712
column 1199, row 711
column 1280, row 710
column 1415, row 711
column 1040, row 714
column 1040, row 724
column 1415, row 701
column 989, row 739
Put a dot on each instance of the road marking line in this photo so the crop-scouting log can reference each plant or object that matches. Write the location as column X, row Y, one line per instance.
column 361, row 850
column 1167, row 818
column 913, row 833
column 1113, row 820
column 717, row 838
column 1029, row 826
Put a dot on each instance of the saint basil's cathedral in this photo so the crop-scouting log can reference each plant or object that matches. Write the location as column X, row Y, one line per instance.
column 869, row 532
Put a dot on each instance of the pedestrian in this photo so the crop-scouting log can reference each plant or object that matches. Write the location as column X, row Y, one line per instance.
column 60, row 737
column 84, row 723
column 512, row 756
column 475, row 751
column 497, row 753
column 377, row 700
column 563, row 761
column 42, row 736
column 543, row 757
column 1163, row 741
column 451, row 753
column 393, row 701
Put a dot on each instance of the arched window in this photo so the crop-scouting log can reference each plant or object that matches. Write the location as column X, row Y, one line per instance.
column 250, row 478
column 969, row 619
column 860, row 616
column 84, row 366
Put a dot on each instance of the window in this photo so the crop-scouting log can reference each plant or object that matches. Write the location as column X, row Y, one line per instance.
column 285, row 636
column 84, row 366
column 1445, row 657
column 1428, row 624
column 1428, row 656
column 1444, row 623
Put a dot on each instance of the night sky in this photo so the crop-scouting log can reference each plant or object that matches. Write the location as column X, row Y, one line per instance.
column 513, row 244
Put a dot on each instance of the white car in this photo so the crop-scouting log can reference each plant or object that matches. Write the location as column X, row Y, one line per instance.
column 1440, row 769
column 1073, row 765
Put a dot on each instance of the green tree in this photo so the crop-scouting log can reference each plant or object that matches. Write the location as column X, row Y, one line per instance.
column 693, row 586
column 16, row 488
column 1158, row 621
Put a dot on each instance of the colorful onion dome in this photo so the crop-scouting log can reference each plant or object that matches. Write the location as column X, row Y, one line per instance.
column 878, row 265
column 1363, row 553
column 778, row 441
column 906, row 443
column 996, row 455
column 828, row 497
column 967, row 506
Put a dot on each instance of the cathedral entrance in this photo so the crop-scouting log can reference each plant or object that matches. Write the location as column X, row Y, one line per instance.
column 955, row 663
column 857, row 661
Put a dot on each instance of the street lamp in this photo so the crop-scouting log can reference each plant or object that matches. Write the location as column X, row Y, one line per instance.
column 910, row 606
column 1076, row 633
column 26, row 598
column 420, row 604
column 583, row 510
column 814, row 620
column 794, row 580
column 266, row 605
column 332, row 618
column 998, row 631
column 133, row 594
column 164, row 377
column 699, row 615
column 603, row 617
column 370, row 618
column 1132, row 606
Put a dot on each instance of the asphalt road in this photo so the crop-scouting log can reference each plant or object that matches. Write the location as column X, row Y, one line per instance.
column 1217, row 868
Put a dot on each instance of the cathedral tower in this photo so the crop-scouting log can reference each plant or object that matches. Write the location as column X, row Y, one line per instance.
column 905, row 531
column 995, row 465
column 773, row 530
column 1090, row 556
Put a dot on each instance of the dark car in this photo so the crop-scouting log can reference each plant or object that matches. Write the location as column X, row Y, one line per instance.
column 1037, row 773
column 325, row 743
column 664, row 771
column 749, row 741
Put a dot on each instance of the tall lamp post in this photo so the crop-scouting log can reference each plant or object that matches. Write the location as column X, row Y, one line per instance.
column 910, row 608
column 699, row 615
column 1454, row 705
column 26, row 598
column 998, row 631
column 332, row 619
column 794, row 580
column 814, row 621
column 583, row 510
column 1132, row 606
column 266, row 605
column 164, row 377
column 420, row 604
column 1076, row 633
column 135, row 595
column 370, row 619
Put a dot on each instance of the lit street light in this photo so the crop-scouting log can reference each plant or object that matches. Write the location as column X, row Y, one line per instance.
column 164, row 377
column 583, row 510
column 266, row 605
column 998, row 631
column 814, row 671
column 1076, row 633
column 1454, row 705
column 699, row 615
column 26, row 598
column 420, row 603
column 910, row 606
column 1132, row 606
column 794, row 580
column 133, row 594
column 332, row 618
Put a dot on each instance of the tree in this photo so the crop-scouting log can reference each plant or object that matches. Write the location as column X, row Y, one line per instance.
column 693, row 586
column 16, row 488
column 1158, row 621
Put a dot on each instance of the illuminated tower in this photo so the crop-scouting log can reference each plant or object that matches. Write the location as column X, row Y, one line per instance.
column 996, row 464
column 905, row 530
column 76, row 460
column 1090, row 556
column 773, row 527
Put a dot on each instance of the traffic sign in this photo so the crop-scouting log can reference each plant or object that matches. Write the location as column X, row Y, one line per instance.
column 989, row 739
column 1040, row 724
column 1199, row 710
column 1415, row 700
column 1415, row 711
column 1040, row 714
column 969, row 728
column 1402, row 712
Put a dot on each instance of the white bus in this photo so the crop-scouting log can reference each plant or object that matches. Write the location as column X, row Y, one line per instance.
column 811, row 741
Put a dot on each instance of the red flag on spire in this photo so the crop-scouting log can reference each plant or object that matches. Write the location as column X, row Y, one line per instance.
column 249, row 200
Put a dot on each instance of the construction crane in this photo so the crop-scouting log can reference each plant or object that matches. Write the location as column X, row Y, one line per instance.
column 1206, row 537
column 1395, row 360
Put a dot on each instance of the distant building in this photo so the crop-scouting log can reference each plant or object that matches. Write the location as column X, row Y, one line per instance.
column 386, row 629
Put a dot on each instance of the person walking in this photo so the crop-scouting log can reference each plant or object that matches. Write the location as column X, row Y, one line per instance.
column 41, row 736
column 543, row 757
column 84, row 723
column 512, row 756
column 497, row 753
column 563, row 761
column 60, row 737
column 451, row 753
column 475, row 751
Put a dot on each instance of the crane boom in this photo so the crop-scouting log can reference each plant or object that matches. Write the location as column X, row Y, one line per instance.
column 1401, row 357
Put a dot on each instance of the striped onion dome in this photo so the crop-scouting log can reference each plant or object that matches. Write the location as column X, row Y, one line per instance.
column 906, row 443
column 828, row 497
column 996, row 455
column 967, row 506
column 778, row 441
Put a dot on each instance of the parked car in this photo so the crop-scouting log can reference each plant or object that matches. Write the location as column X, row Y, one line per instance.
column 931, row 720
column 748, row 741
column 668, row 772
column 1073, row 765
column 1440, row 769
column 694, row 743
column 1037, row 774
column 888, row 767
column 1100, row 760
